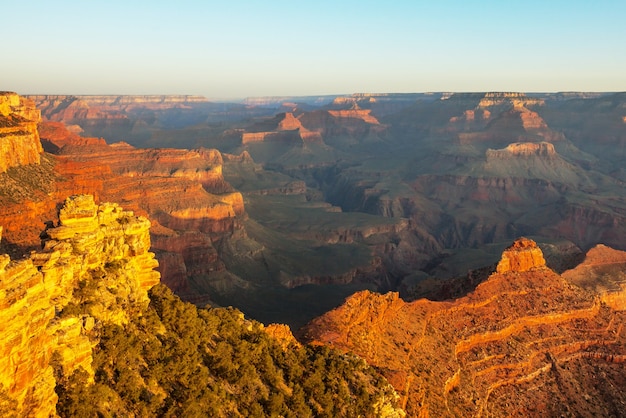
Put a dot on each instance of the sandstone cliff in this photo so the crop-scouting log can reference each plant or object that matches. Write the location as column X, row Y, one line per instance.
column 526, row 342
column 97, row 258
column 19, row 139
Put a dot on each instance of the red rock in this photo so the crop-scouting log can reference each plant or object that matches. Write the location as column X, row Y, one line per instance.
column 522, row 255
column 19, row 139
column 178, row 189
column 505, row 349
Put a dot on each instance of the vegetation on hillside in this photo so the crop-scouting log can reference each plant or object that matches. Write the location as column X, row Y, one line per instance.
column 177, row 360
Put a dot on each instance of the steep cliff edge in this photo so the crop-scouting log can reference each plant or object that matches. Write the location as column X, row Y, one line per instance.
column 97, row 258
column 526, row 342
column 19, row 139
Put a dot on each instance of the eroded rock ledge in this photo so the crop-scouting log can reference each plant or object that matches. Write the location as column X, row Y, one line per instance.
column 98, row 256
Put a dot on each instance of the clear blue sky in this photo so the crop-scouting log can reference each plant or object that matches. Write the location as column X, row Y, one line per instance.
column 236, row 48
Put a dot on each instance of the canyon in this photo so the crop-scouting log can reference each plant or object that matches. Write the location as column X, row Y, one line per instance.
column 86, row 324
column 395, row 190
column 405, row 204
column 525, row 342
column 169, row 186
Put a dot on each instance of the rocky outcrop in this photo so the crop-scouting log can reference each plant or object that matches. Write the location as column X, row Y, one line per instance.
column 283, row 127
column 179, row 190
column 55, row 135
column 505, row 98
column 19, row 139
column 282, row 333
column 95, row 267
column 497, row 119
column 525, row 149
column 356, row 113
column 203, row 166
column 522, row 255
column 250, row 137
column 524, row 343
column 603, row 271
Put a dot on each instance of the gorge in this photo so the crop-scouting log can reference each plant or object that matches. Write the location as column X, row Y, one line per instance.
column 405, row 204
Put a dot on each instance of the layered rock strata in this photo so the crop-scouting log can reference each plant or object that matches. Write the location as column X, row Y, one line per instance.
column 356, row 113
column 66, row 107
column 529, row 149
column 180, row 190
column 183, row 192
column 19, row 139
column 526, row 342
column 95, row 267
column 284, row 127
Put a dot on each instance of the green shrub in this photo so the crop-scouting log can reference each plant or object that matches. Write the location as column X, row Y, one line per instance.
column 178, row 360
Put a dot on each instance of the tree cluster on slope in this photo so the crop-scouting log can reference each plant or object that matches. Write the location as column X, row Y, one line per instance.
column 177, row 360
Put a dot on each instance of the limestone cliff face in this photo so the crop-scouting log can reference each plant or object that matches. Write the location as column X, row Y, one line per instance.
column 181, row 191
column 526, row 342
column 95, row 267
column 19, row 139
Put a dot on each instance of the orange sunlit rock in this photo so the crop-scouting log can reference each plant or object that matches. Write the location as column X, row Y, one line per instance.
column 488, row 353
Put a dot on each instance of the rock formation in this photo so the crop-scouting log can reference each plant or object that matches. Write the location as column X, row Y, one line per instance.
column 283, row 127
column 528, row 149
column 19, row 139
column 603, row 271
column 179, row 190
column 356, row 113
column 505, row 98
column 526, row 342
column 183, row 192
column 523, row 255
column 62, row 108
column 98, row 256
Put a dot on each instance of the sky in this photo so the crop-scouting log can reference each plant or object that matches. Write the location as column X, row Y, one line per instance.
column 234, row 49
